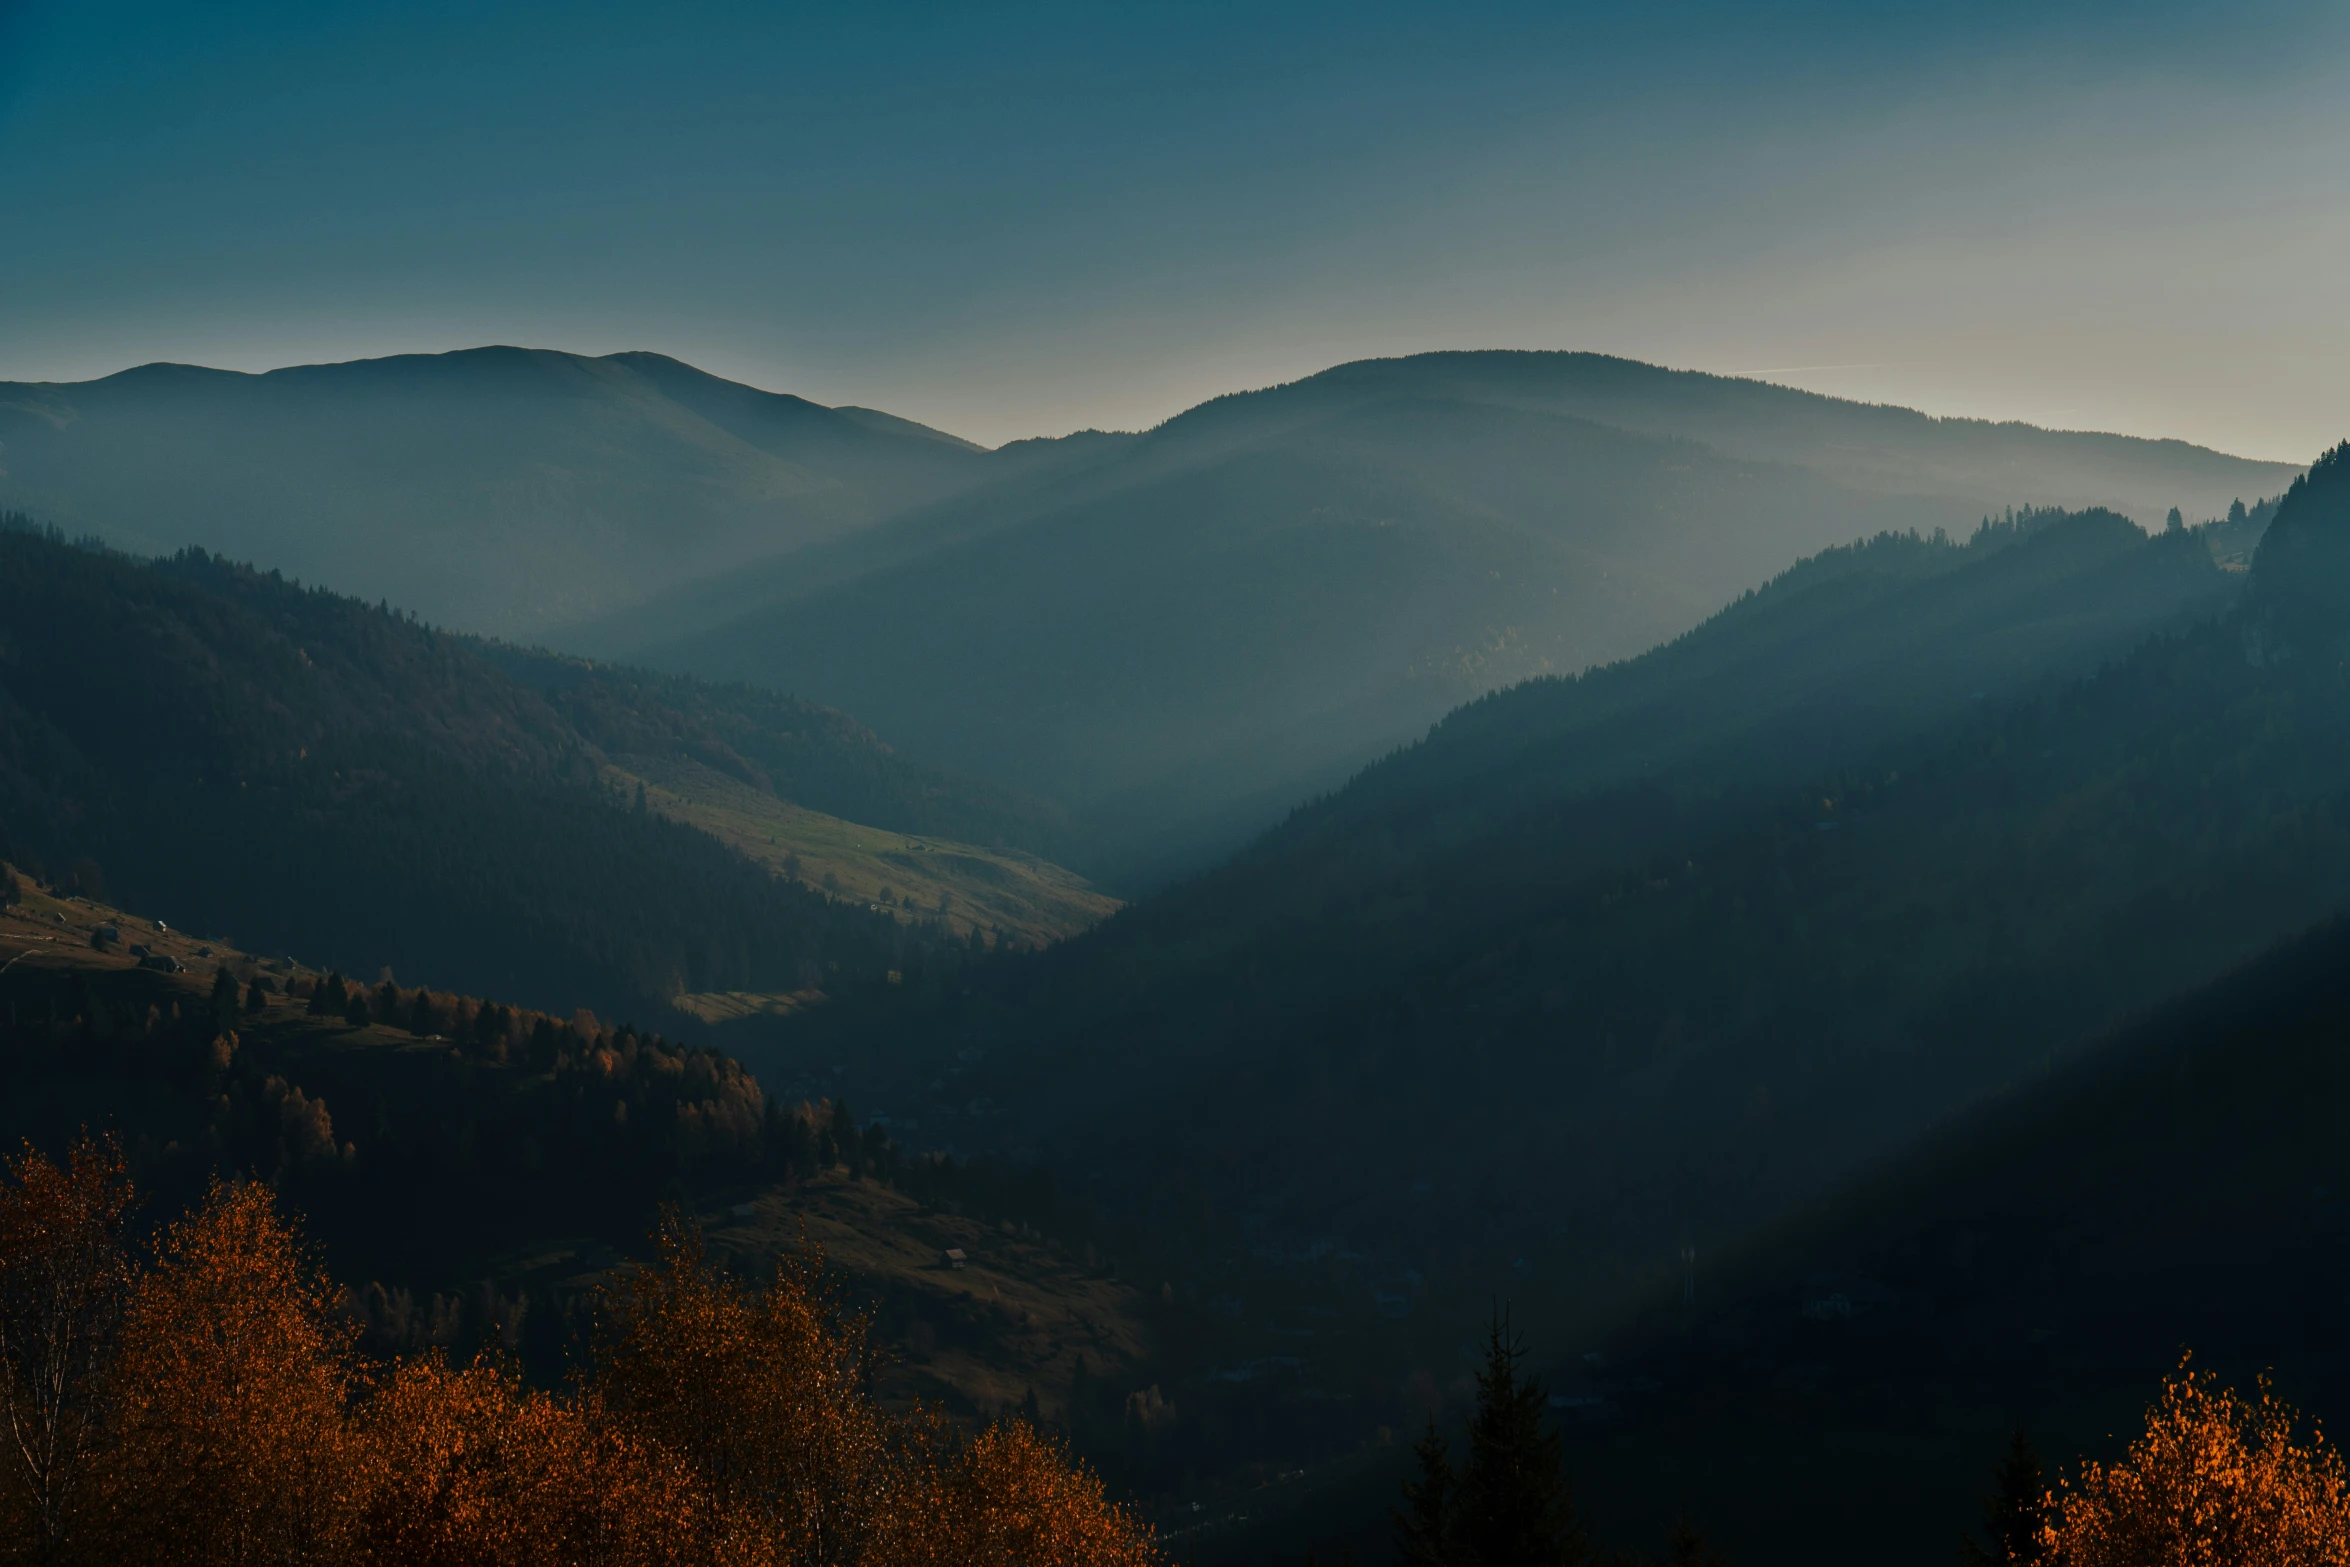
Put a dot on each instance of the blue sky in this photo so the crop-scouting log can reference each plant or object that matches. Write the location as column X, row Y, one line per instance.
column 1016, row 220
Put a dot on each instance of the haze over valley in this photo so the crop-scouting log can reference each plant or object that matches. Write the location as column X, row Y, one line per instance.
column 1174, row 635
column 1537, row 788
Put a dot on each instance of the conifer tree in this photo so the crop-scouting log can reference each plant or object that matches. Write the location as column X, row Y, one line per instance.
column 224, row 998
column 1424, row 1524
column 1512, row 1507
column 2015, row 1513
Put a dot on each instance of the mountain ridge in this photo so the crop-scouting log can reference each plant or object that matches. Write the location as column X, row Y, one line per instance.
column 1384, row 540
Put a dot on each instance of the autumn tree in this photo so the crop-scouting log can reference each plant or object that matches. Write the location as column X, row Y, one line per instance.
column 474, row 1469
column 63, row 1278
column 761, row 1391
column 1013, row 1499
column 725, row 1423
column 230, row 1388
column 2215, row 1480
column 764, row 1392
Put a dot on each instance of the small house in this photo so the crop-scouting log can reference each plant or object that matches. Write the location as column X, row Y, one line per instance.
column 955, row 1257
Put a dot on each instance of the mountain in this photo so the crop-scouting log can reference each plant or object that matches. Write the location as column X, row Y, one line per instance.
column 1660, row 955
column 315, row 774
column 497, row 490
column 1176, row 634
column 1179, row 634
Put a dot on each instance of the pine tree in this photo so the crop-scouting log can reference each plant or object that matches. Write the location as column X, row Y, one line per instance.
column 225, row 997
column 2013, row 1514
column 1512, row 1508
column 1424, row 1525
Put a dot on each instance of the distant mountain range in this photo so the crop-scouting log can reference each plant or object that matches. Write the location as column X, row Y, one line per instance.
column 498, row 490
column 1176, row 634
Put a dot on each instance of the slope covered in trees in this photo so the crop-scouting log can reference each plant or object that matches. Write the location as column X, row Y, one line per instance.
column 2040, row 1262
column 1728, row 924
column 1181, row 633
column 310, row 774
column 476, row 1170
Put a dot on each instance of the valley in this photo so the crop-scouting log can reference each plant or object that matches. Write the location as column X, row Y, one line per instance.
column 1273, row 786
column 1661, row 960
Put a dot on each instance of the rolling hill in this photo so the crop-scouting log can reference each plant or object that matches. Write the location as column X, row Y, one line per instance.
column 1177, row 634
column 1180, row 634
column 497, row 490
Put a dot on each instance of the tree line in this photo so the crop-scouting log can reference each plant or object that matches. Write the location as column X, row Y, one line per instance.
column 426, row 1132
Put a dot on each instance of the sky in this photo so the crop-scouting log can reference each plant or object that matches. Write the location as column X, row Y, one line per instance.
column 1021, row 220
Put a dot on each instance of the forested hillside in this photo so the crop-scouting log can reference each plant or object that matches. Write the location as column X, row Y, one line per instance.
column 223, row 1320
column 2038, row 1263
column 1180, row 634
column 1681, row 945
column 308, row 773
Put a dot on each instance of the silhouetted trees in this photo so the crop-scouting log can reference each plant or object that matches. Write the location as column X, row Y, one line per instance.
column 2015, row 1514
column 1507, row 1505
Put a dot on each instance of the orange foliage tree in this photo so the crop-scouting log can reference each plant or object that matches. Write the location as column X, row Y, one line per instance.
column 474, row 1470
column 1012, row 1500
column 761, row 1391
column 231, row 1390
column 2216, row 1480
column 232, row 1420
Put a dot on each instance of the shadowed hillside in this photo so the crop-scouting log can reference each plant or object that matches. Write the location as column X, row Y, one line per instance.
column 312, row 774
column 1658, row 957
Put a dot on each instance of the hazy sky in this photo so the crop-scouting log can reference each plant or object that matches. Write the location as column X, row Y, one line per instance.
column 1022, row 220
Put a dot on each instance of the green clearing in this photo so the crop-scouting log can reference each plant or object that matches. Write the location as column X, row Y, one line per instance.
column 914, row 878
